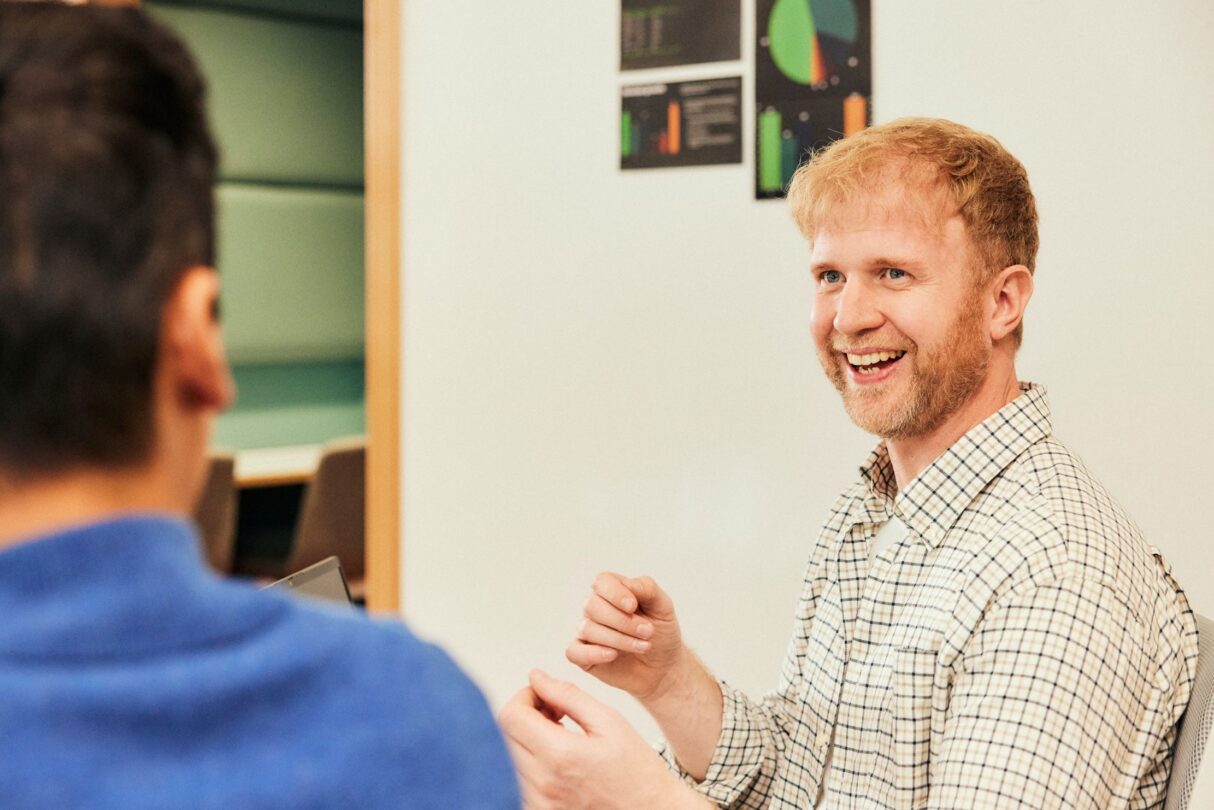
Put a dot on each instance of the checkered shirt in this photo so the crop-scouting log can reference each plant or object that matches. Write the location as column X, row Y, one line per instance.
column 1023, row 646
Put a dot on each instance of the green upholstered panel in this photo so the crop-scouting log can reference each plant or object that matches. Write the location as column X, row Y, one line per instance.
column 292, row 267
column 286, row 404
column 347, row 11
column 285, row 80
column 285, row 95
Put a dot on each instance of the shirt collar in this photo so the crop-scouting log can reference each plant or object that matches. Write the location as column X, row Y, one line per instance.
column 932, row 502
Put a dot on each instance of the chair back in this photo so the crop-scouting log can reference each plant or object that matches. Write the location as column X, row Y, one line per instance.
column 215, row 512
column 1196, row 726
column 332, row 515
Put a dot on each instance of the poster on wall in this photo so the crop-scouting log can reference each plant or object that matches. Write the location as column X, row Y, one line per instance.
column 813, row 82
column 657, row 33
column 665, row 124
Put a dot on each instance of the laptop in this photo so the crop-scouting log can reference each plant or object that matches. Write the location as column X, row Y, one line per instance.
column 323, row 580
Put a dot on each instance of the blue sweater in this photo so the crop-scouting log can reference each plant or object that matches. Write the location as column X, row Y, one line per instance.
column 132, row 677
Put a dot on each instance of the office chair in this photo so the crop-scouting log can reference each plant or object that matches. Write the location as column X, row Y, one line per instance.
column 332, row 516
column 215, row 512
column 1196, row 726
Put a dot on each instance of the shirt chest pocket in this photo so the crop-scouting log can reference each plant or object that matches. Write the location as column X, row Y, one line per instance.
column 912, row 685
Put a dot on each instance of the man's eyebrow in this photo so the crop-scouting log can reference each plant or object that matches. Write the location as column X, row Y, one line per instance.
column 893, row 261
column 876, row 262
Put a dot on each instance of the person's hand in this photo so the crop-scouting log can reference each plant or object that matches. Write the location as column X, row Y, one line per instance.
column 629, row 636
column 608, row 766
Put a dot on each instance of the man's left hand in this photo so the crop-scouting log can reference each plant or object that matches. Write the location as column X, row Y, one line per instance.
column 607, row 766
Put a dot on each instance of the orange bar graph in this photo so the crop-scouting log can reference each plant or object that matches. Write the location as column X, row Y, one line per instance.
column 674, row 136
column 855, row 114
column 817, row 65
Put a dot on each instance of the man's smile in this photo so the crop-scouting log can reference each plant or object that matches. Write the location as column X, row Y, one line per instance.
column 869, row 361
column 870, row 365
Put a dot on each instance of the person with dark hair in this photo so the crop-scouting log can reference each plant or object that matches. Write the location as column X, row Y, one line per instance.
column 129, row 675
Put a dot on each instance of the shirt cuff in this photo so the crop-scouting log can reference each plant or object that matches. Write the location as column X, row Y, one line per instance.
column 738, row 757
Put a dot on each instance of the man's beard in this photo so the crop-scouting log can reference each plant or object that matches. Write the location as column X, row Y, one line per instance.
column 940, row 382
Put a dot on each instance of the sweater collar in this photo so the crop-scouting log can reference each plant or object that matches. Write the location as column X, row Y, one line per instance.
column 131, row 585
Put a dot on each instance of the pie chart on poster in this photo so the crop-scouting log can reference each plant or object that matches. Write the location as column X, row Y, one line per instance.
column 811, row 40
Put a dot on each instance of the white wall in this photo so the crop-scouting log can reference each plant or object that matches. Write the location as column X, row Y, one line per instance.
column 613, row 371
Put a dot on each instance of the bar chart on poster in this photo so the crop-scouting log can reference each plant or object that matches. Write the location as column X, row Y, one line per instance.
column 813, row 82
column 695, row 123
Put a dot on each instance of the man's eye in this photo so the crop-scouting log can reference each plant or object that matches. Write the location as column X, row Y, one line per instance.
column 831, row 277
column 894, row 273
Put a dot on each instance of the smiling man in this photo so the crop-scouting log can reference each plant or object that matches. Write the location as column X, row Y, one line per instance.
column 981, row 625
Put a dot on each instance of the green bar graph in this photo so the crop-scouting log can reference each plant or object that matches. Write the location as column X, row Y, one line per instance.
column 626, row 134
column 770, row 149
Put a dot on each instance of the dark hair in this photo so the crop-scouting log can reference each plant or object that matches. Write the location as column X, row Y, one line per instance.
column 106, row 173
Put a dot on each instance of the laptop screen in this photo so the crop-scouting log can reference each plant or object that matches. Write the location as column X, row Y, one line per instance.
column 323, row 580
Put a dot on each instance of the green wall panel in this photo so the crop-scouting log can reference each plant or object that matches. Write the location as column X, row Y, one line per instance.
column 286, row 404
column 285, row 79
column 285, row 95
column 292, row 268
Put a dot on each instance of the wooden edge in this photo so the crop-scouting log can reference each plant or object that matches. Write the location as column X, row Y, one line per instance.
column 382, row 94
column 276, row 466
column 272, row 480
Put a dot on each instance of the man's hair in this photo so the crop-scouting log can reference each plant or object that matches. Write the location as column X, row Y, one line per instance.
column 106, row 173
column 988, row 187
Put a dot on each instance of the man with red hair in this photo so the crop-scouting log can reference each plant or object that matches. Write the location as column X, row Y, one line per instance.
column 981, row 625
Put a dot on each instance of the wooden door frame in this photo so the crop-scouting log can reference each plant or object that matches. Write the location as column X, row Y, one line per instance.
column 382, row 110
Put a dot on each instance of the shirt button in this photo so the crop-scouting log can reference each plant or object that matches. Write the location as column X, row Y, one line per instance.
column 822, row 739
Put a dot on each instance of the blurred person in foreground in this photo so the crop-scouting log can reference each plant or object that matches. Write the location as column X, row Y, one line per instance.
column 980, row 625
column 130, row 676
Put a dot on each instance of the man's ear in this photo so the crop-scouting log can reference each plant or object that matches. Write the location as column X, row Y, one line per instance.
column 1010, row 292
column 194, row 357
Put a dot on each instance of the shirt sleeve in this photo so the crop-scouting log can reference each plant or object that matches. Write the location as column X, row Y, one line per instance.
column 761, row 741
column 1059, row 701
column 747, row 753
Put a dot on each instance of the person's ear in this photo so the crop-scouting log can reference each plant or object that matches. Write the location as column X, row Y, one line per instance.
column 1010, row 292
column 192, row 342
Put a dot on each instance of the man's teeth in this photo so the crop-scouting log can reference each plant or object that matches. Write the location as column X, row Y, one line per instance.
column 865, row 363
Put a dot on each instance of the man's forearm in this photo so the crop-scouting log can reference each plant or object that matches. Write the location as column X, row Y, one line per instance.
column 688, row 710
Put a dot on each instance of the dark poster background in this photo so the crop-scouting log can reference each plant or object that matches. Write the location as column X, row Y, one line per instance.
column 694, row 123
column 813, row 82
column 656, row 33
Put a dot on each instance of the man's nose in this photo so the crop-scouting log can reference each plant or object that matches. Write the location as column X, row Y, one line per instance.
column 857, row 310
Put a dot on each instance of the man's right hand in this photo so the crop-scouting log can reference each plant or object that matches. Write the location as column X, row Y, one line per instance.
column 629, row 636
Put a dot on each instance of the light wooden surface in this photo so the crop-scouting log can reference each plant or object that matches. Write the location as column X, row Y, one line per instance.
column 382, row 88
column 276, row 466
